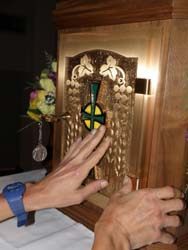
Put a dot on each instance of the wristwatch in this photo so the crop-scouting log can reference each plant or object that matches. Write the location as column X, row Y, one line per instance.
column 13, row 193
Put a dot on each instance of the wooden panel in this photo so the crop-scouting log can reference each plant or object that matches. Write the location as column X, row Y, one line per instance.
column 171, row 113
column 84, row 13
column 162, row 247
column 167, row 166
column 180, row 8
column 182, row 242
column 163, row 156
column 142, row 40
column 86, row 213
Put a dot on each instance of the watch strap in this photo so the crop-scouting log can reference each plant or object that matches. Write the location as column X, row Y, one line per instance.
column 13, row 193
column 22, row 219
column 17, row 208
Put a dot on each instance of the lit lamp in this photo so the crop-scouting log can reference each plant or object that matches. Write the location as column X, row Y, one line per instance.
column 142, row 86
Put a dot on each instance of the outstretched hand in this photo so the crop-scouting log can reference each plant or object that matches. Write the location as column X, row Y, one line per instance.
column 62, row 187
column 135, row 219
column 130, row 220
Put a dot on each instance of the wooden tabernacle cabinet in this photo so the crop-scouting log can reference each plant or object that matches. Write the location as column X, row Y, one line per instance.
column 138, row 39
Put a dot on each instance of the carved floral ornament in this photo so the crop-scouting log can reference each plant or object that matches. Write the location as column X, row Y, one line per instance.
column 110, row 69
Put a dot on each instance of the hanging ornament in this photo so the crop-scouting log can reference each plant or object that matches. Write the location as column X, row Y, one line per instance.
column 39, row 152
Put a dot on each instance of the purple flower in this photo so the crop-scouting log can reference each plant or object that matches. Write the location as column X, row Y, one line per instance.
column 52, row 76
column 33, row 95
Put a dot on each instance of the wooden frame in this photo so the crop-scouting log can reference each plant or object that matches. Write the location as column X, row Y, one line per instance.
column 127, row 42
column 82, row 13
column 161, row 166
column 86, row 213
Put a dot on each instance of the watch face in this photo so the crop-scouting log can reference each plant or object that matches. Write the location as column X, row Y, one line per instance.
column 14, row 186
column 17, row 188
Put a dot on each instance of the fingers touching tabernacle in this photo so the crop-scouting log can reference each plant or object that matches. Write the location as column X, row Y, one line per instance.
column 91, row 188
column 86, row 147
column 89, row 144
column 84, row 154
column 144, row 215
column 77, row 146
column 96, row 156
column 173, row 205
column 71, row 151
column 92, row 160
column 65, row 181
column 171, row 199
column 168, row 193
column 166, row 238
column 81, row 149
column 172, row 221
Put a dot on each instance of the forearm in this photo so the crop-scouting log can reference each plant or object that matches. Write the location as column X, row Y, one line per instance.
column 32, row 201
column 102, row 243
column 107, row 238
column 5, row 211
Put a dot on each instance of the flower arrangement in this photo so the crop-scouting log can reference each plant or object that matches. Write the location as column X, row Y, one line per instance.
column 43, row 94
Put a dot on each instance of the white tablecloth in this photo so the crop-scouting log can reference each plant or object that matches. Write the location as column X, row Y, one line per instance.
column 52, row 231
column 29, row 176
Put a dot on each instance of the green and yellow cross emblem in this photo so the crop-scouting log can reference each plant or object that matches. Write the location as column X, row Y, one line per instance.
column 92, row 114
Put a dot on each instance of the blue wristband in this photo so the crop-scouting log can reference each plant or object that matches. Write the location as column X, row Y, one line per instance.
column 13, row 193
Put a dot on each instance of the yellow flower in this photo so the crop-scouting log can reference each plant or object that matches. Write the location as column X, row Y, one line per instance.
column 41, row 95
column 33, row 104
column 40, row 103
column 47, row 84
column 44, row 75
column 34, row 116
column 46, row 109
column 54, row 66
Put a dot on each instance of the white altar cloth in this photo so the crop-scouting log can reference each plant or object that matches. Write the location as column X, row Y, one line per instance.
column 29, row 176
column 52, row 231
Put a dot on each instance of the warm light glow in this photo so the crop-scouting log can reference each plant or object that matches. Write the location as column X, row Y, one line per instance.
column 149, row 73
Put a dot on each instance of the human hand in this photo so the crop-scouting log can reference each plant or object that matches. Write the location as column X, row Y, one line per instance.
column 140, row 218
column 62, row 187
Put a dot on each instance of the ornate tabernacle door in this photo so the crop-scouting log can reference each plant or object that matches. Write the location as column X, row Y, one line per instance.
column 99, row 89
column 124, row 64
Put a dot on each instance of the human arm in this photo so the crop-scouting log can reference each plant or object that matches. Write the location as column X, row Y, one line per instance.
column 129, row 221
column 106, row 237
column 135, row 219
column 62, row 187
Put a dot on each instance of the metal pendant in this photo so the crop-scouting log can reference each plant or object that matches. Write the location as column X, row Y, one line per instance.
column 39, row 152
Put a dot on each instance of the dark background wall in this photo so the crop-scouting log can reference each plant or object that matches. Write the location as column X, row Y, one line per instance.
column 26, row 31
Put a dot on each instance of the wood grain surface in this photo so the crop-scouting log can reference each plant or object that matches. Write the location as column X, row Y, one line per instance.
column 79, row 13
column 163, row 155
column 86, row 213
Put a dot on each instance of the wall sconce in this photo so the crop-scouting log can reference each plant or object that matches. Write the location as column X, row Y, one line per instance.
column 143, row 86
